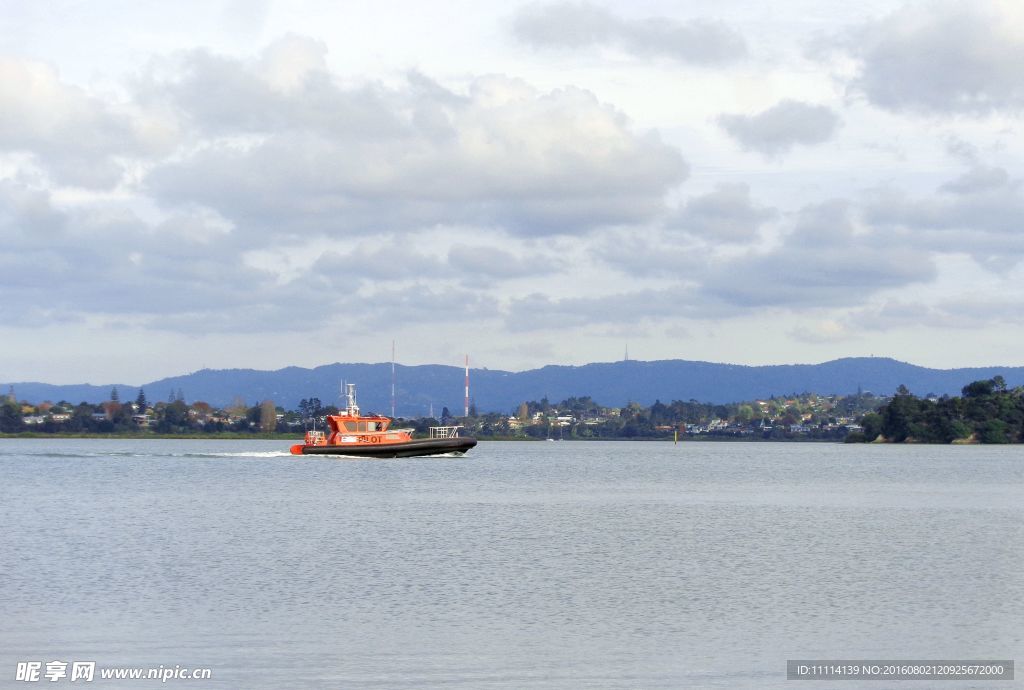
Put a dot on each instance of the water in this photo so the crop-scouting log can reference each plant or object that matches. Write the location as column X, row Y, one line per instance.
column 521, row 565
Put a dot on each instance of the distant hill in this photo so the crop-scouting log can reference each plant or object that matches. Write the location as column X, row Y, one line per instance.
column 612, row 384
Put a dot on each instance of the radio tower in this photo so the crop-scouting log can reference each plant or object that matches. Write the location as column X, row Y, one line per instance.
column 467, row 387
column 392, row 379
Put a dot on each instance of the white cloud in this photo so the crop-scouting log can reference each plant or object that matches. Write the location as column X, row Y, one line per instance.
column 971, row 312
column 369, row 263
column 542, row 312
column 27, row 215
column 824, row 331
column 978, row 179
column 727, row 214
column 74, row 137
column 577, row 25
column 533, row 189
column 980, row 213
column 778, row 129
column 277, row 147
column 651, row 254
column 943, row 57
column 342, row 159
column 479, row 265
column 827, row 260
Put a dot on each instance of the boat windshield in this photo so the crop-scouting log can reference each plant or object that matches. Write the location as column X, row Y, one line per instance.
column 353, row 426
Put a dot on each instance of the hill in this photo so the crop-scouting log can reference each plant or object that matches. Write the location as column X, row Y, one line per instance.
column 614, row 383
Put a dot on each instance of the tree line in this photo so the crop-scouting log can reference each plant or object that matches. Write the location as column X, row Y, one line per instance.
column 987, row 411
column 113, row 416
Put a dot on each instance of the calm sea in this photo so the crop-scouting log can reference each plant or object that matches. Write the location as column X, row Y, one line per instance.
column 521, row 565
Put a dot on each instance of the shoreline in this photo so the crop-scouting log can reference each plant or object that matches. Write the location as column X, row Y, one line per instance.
column 292, row 438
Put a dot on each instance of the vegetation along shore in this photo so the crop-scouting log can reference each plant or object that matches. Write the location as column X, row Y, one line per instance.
column 987, row 411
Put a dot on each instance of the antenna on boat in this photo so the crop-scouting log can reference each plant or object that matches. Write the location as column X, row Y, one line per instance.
column 467, row 388
column 392, row 379
column 350, row 400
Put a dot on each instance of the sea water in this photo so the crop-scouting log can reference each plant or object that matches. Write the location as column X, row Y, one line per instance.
column 520, row 565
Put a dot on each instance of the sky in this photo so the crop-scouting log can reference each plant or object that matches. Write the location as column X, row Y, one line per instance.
column 261, row 184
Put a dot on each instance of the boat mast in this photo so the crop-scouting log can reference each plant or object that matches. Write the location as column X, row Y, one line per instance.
column 392, row 379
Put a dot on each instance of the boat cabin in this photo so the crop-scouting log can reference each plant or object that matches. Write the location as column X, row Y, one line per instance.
column 361, row 425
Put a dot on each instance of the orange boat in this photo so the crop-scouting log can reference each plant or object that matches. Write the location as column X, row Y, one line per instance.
column 371, row 436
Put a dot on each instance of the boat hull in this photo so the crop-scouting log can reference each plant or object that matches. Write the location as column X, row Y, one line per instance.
column 405, row 449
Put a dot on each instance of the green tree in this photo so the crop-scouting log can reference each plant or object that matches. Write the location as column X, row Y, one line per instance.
column 81, row 418
column 957, row 429
column 310, row 409
column 120, row 416
column 979, row 389
column 10, row 417
column 898, row 416
column 872, row 423
column 994, row 431
column 987, row 410
column 173, row 418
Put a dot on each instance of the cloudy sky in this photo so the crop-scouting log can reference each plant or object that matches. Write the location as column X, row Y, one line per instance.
column 261, row 184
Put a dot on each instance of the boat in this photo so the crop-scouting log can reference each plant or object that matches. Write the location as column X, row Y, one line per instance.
column 353, row 434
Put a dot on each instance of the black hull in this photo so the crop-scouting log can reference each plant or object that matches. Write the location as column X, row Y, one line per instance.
column 407, row 449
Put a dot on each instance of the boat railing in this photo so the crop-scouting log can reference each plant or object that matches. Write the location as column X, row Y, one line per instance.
column 444, row 431
column 316, row 438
